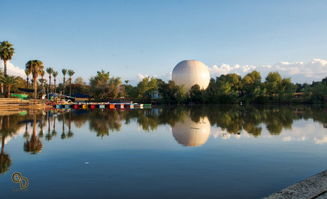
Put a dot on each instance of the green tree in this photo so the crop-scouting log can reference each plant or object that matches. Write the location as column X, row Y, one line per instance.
column 9, row 81
column 35, row 67
column 172, row 93
column 273, row 82
column 145, row 87
column 251, row 86
column 196, row 94
column 27, row 73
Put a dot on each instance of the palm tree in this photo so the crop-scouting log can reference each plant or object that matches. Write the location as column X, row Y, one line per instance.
column 55, row 74
column 49, row 71
column 70, row 73
column 27, row 73
column 42, row 80
column 6, row 53
column 9, row 81
column 36, row 68
column 64, row 72
column 1, row 84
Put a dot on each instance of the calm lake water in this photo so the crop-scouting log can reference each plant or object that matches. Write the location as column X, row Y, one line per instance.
column 166, row 152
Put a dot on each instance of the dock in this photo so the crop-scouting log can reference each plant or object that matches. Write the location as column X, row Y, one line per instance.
column 113, row 106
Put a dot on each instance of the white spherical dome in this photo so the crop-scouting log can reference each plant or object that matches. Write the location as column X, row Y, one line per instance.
column 190, row 133
column 187, row 73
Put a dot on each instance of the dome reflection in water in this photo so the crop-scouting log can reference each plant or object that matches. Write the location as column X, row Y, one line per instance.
column 142, row 152
column 191, row 133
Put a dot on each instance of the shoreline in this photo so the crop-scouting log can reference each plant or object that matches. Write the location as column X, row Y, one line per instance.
column 312, row 187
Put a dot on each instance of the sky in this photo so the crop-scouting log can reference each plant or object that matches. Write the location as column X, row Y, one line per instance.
column 137, row 38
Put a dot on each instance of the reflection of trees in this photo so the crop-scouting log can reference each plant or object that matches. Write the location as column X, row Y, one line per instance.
column 70, row 132
column 8, row 128
column 48, row 136
column 41, row 124
column 104, row 121
column 34, row 145
column 54, row 130
column 63, row 132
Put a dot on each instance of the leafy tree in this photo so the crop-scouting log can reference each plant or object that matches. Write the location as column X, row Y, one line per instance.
column 196, row 94
column 145, row 87
column 171, row 93
column 104, row 87
column 251, row 86
column 9, row 81
column 27, row 73
column 273, row 82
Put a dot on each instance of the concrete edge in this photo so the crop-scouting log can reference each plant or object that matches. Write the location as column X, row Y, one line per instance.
column 311, row 187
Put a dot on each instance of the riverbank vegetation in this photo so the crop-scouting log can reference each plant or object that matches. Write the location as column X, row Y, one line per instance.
column 225, row 89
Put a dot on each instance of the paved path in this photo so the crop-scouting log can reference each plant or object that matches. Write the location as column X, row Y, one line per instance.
column 314, row 187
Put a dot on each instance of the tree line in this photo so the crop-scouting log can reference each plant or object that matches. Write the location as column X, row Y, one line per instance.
column 34, row 69
column 229, row 88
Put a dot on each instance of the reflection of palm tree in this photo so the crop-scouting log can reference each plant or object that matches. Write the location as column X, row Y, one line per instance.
column 48, row 136
column 54, row 132
column 34, row 145
column 63, row 134
column 8, row 127
column 26, row 135
column 5, row 161
column 70, row 133
column 41, row 127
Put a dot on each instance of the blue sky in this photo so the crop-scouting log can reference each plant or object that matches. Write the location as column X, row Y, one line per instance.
column 131, row 38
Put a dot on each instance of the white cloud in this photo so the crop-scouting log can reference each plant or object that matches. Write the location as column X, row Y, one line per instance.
column 322, row 140
column 140, row 76
column 165, row 77
column 287, row 139
column 13, row 70
column 314, row 70
column 300, row 72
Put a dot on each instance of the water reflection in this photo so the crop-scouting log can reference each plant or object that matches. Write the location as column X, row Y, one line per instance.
column 191, row 133
column 34, row 144
column 190, row 126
